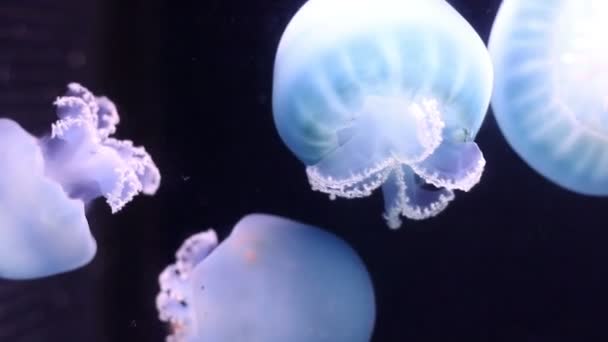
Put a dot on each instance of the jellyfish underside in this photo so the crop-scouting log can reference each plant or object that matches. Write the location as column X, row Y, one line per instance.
column 550, row 97
column 271, row 280
column 388, row 100
column 416, row 168
column 45, row 184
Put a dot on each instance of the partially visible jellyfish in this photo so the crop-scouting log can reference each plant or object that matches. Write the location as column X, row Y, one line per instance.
column 271, row 280
column 45, row 184
column 386, row 93
column 551, row 88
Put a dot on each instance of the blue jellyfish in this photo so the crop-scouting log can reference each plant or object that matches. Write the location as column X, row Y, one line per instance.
column 271, row 280
column 384, row 93
column 45, row 184
column 551, row 88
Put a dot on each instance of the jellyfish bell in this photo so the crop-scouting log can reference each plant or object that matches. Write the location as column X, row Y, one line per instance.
column 40, row 227
column 550, row 98
column 271, row 280
column 46, row 183
column 375, row 93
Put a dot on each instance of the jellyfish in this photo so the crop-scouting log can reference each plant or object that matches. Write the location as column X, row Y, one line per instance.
column 46, row 183
column 384, row 93
column 551, row 88
column 271, row 280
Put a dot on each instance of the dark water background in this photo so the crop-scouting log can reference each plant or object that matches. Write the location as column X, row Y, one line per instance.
column 516, row 259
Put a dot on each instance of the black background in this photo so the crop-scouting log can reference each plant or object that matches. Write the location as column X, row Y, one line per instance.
column 516, row 259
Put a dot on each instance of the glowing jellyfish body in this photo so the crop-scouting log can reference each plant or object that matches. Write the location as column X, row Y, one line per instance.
column 45, row 184
column 551, row 88
column 271, row 280
column 384, row 93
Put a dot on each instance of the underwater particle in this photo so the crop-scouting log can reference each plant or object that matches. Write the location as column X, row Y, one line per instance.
column 271, row 280
column 45, row 184
column 391, row 94
column 551, row 88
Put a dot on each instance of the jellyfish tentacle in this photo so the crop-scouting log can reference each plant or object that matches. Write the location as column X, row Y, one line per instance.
column 139, row 161
column 108, row 117
column 175, row 298
column 87, row 161
column 403, row 197
column 195, row 249
column 172, row 303
column 415, row 132
column 455, row 166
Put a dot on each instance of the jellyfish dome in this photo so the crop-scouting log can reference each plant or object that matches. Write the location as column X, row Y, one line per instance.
column 271, row 280
column 551, row 88
column 45, row 184
column 384, row 93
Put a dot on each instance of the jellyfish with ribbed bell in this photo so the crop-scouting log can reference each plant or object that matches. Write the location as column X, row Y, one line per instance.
column 271, row 280
column 551, row 88
column 46, row 183
column 384, row 93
